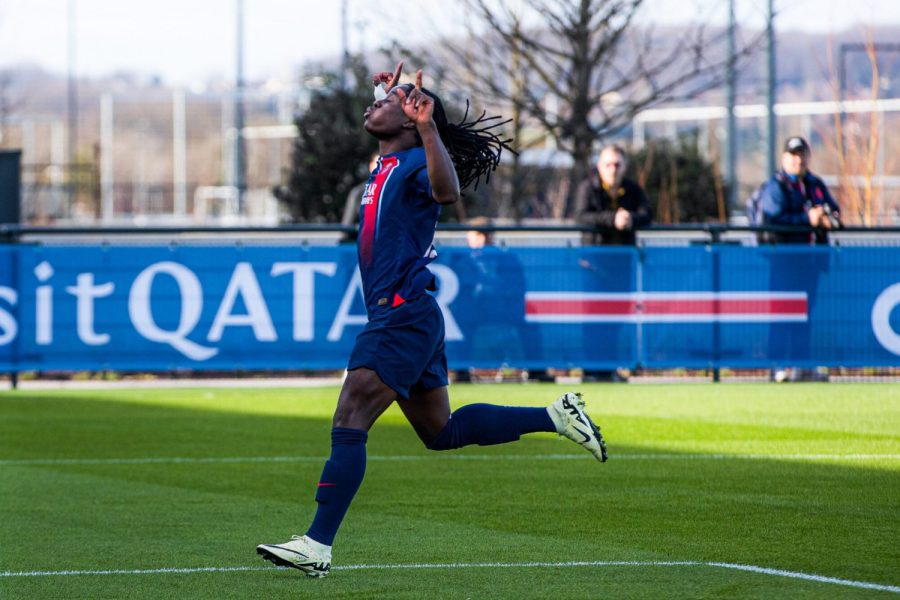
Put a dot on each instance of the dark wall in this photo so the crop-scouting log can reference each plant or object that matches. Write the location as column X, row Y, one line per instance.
column 10, row 185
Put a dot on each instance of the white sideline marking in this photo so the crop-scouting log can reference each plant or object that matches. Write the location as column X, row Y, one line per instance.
column 688, row 563
column 809, row 577
column 169, row 460
column 130, row 571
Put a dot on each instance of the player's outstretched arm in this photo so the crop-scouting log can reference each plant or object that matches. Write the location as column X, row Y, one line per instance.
column 419, row 108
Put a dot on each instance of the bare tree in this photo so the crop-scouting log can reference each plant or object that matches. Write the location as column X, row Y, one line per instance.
column 856, row 141
column 580, row 70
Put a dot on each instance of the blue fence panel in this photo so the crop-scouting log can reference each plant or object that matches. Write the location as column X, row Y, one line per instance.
column 298, row 307
column 771, row 306
column 9, row 308
column 160, row 307
column 577, row 299
column 674, row 311
column 855, row 309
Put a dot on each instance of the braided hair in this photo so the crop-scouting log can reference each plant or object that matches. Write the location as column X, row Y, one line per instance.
column 473, row 147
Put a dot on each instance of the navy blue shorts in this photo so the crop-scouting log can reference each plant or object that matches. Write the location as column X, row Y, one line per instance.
column 405, row 347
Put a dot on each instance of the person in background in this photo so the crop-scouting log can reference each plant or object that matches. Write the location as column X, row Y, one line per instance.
column 794, row 196
column 611, row 203
column 614, row 205
column 492, row 285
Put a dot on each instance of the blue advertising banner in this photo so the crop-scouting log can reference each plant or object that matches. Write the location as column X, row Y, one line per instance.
column 300, row 307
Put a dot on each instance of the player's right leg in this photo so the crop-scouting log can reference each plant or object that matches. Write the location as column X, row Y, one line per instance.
column 301, row 553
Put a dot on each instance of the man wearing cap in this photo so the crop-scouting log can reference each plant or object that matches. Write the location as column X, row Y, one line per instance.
column 794, row 196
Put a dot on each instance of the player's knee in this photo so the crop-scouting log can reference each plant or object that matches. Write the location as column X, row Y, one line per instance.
column 363, row 398
column 356, row 413
column 346, row 414
column 446, row 439
column 362, row 383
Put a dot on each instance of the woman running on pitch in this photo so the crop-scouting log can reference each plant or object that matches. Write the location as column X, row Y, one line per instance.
column 399, row 356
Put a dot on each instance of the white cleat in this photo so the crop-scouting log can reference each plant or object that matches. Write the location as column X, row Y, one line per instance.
column 300, row 553
column 567, row 413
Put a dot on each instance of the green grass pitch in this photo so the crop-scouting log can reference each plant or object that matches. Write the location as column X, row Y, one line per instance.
column 711, row 491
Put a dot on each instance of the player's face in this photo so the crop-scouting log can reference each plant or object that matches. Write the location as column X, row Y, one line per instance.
column 385, row 118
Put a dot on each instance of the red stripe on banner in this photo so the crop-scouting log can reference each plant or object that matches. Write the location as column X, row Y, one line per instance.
column 730, row 306
column 661, row 306
column 580, row 307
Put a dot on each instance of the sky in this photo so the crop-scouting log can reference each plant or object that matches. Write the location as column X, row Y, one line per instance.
column 186, row 41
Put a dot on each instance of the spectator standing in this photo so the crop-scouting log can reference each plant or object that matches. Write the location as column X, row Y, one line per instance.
column 794, row 196
column 611, row 203
column 614, row 206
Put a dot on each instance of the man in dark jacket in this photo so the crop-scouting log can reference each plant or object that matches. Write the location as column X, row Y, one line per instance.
column 614, row 206
column 794, row 196
column 609, row 202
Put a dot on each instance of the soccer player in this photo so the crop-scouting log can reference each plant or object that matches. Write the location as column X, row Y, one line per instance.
column 399, row 356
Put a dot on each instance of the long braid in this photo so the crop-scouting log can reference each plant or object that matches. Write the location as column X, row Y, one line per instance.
column 474, row 147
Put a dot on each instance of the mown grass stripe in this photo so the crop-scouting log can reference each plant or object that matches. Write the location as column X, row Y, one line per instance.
column 169, row 460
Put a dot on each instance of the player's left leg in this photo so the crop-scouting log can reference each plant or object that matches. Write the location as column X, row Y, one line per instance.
column 428, row 411
column 487, row 424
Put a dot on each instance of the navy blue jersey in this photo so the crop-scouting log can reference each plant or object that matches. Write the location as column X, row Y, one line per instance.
column 397, row 219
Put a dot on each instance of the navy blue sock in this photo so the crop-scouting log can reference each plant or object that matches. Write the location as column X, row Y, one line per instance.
column 340, row 479
column 487, row 424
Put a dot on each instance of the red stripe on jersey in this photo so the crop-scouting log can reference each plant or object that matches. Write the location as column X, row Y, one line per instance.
column 371, row 200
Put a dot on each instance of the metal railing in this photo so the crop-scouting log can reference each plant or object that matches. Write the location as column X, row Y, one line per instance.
column 11, row 233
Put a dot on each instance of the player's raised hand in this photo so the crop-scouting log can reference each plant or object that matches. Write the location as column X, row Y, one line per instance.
column 388, row 79
column 417, row 105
